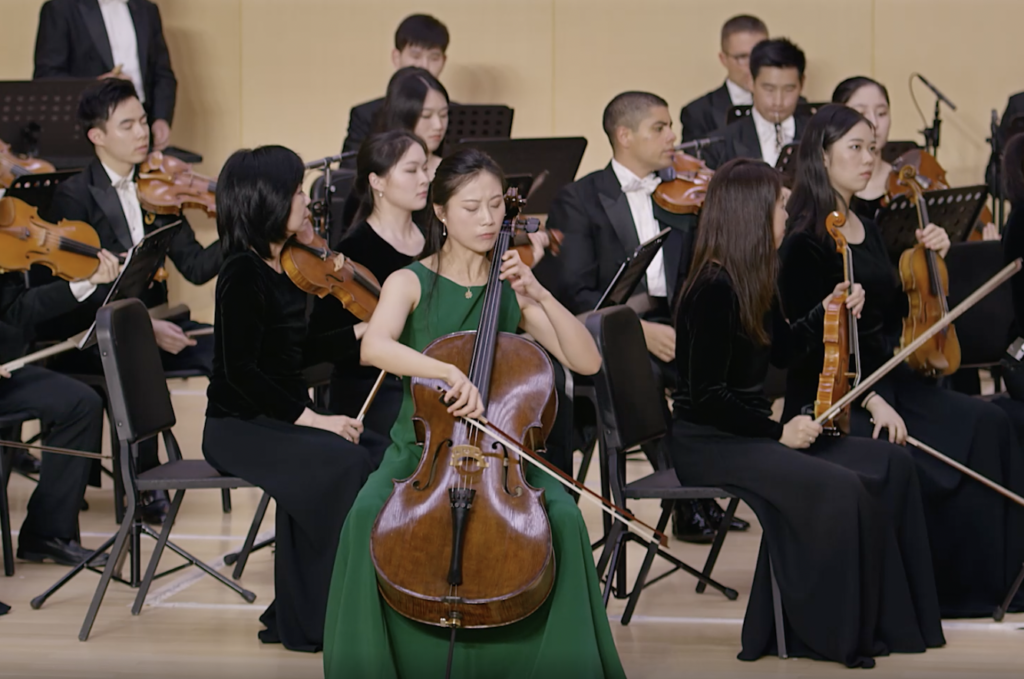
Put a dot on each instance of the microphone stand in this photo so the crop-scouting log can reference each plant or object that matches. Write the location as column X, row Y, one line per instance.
column 996, row 189
column 321, row 209
column 931, row 134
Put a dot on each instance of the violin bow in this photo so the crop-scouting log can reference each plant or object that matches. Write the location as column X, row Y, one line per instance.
column 855, row 393
column 372, row 395
column 618, row 513
column 51, row 449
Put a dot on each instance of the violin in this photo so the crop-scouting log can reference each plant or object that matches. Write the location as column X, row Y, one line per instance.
column 929, row 176
column 69, row 249
column 465, row 541
column 841, row 342
column 167, row 185
column 13, row 166
column 309, row 263
column 683, row 192
column 926, row 282
column 521, row 243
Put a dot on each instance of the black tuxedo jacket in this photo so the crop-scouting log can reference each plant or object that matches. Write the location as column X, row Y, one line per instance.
column 89, row 197
column 360, row 125
column 22, row 308
column 599, row 234
column 704, row 116
column 741, row 141
column 72, row 42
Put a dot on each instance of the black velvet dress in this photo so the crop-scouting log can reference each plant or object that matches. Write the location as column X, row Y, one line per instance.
column 256, row 393
column 842, row 520
column 351, row 382
column 977, row 536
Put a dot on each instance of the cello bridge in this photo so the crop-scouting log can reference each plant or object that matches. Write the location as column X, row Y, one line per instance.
column 463, row 453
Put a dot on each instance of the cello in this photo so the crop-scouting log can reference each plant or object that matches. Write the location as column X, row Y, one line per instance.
column 841, row 342
column 926, row 282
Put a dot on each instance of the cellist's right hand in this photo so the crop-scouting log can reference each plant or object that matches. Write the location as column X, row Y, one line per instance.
column 462, row 397
column 800, row 432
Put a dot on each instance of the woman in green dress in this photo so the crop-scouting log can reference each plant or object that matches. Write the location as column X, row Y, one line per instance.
column 440, row 294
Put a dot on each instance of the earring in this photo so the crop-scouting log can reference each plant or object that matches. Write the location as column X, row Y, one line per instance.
column 380, row 194
column 444, row 228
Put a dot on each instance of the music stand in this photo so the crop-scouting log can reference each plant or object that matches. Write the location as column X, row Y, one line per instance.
column 475, row 121
column 40, row 118
column 737, row 112
column 37, row 189
column 955, row 210
column 631, row 272
column 558, row 156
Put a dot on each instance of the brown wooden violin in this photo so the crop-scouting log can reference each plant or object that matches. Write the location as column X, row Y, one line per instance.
column 465, row 541
column 926, row 282
column 167, row 185
column 13, row 166
column 683, row 192
column 841, row 341
column 69, row 249
column 309, row 263
column 521, row 244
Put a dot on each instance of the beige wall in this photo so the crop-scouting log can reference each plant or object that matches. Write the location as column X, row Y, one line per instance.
column 286, row 71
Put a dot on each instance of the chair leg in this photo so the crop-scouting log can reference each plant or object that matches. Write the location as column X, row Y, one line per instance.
column 154, row 560
column 242, row 556
column 641, row 578
column 616, row 547
column 1001, row 611
column 5, row 518
column 225, row 500
column 244, row 593
column 780, row 629
column 716, row 546
column 38, row 602
column 108, row 572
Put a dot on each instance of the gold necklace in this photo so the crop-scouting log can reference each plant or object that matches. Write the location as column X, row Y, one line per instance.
column 469, row 293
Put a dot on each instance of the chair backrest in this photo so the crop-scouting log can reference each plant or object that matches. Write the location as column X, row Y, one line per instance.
column 630, row 406
column 139, row 400
column 984, row 330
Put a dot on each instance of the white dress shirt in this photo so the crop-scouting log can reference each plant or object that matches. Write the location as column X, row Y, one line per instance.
column 773, row 137
column 124, row 44
column 129, row 197
column 638, row 193
column 738, row 95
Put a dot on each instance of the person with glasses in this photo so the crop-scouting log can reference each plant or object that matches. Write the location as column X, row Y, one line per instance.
column 706, row 115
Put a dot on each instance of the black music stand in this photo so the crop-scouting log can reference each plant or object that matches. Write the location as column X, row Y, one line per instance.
column 37, row 189
column 559, row 157
column 39, row 118
column 737, row 112
column 955, row 210
column 632, row 271
column 475, row 121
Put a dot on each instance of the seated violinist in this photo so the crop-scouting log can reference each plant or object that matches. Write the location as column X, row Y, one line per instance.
column 259, row 423
column 440, row 294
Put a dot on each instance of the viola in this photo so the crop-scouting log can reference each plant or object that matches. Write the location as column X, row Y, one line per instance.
column 13, row 166
column 167, row 185
column 841, row 342
column 309, row 263
column 926, row 282
column 521, row 244
column 683, row 192
column 69, row 249
column 436, row 543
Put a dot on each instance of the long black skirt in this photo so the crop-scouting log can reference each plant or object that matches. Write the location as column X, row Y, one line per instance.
column 314, row 477
column 976, row 535
column 845, row 531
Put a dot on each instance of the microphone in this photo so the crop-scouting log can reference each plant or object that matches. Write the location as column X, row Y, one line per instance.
column 935, row 90
column 323, row 162
column 698, row 144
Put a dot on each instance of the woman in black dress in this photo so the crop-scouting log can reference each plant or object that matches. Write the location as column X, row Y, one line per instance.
column 259, row 424
column 391, row 184
column 842, row 517
column 977, row 536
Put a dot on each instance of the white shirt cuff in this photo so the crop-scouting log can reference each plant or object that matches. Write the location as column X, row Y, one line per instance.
column 82, row 290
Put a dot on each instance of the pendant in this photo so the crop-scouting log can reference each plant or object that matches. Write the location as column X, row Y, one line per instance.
column 469, row 293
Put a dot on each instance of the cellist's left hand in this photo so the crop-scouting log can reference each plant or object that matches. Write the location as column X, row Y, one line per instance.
column 521, row 276
column 934, row 238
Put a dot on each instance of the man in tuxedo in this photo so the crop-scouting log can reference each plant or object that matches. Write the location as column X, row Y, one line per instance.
column 95, row 38
column 1010, row 124
column 603, row 217
column 702, row 117
column 105, row 195
column 421, row 40
column 777, row 67
column 70, row 412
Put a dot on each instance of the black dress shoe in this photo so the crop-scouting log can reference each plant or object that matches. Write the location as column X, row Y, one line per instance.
column 58, row 550
column 715, row 514
column 155, row 505
column 24, row 462
column 690, row 523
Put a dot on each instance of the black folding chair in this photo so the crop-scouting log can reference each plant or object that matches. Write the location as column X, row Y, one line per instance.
column 141, row 405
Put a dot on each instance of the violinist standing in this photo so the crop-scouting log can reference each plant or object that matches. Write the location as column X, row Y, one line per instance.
column 440, row 294
column 105, row 195
column 604, row 216
column 259, row 423
column 99, row 38
column 977, row 536
column 842, row 517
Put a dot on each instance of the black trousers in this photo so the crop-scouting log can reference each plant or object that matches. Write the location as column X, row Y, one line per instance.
column 72, row 414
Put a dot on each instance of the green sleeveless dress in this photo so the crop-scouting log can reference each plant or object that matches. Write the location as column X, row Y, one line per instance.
column 364, row 638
